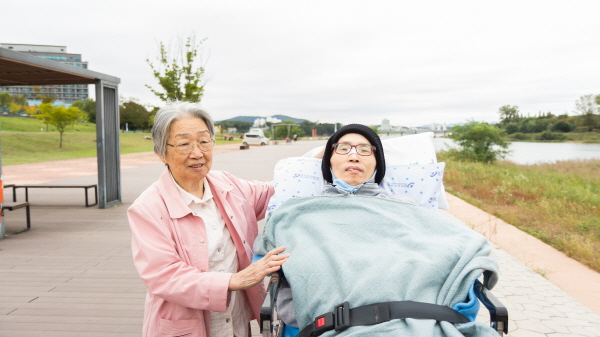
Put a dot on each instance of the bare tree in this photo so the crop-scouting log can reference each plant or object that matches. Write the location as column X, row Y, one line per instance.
column 586, row 106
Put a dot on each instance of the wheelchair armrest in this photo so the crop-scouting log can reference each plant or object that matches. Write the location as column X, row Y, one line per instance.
column 498, row 312
column 266, row 310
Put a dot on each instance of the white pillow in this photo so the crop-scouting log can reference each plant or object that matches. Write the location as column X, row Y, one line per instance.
column 302, row 177
column 407, row 150
column 422, row 183
column 296, row 177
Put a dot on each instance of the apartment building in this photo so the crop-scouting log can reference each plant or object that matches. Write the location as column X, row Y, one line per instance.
column 64, row 93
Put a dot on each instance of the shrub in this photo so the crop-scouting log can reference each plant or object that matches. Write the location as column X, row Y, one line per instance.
column 562, row 126
column 580, row 129
column 478, row 142
column 520, row 136
column 511, row 128
column 547, row 135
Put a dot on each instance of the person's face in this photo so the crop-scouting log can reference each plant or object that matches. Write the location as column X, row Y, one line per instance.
column 193, row 167
column 352, row 168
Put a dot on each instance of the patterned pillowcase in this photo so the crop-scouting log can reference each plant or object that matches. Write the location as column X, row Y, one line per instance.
column 296, row 177
column 422, row 183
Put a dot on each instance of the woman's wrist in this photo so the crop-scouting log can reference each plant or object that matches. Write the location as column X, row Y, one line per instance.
column 234, row 282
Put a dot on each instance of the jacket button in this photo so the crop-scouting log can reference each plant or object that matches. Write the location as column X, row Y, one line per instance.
column 243, row 241
column 201, row 240
column 231, row 217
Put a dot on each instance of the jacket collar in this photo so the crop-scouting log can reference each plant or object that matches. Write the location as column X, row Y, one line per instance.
column 176, row 205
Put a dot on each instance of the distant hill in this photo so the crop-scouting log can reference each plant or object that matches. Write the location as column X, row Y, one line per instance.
column 250, row 119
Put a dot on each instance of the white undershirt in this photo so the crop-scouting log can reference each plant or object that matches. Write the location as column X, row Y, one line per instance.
column 222, row 258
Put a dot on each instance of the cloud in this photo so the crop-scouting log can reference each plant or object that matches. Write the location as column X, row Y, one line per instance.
column 341, row 61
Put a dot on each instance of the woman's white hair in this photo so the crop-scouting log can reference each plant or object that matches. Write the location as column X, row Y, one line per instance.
column 171, row 112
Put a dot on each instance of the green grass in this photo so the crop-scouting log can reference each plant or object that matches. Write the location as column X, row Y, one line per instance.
column 575, row 137
column 24, row 143
column 33, row 147
column 583, row 137
column 27, row 124
column 558, row 203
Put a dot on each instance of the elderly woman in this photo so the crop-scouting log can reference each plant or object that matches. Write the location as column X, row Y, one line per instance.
column 364, row 263
column 192, row 235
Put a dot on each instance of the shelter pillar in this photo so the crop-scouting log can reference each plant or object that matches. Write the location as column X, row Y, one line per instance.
column 2, row 229
column 108, row 144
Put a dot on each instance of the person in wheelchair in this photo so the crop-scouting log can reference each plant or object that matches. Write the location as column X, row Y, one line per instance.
column 366, row 263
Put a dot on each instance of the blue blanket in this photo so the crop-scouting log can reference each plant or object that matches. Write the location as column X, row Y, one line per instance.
column 366, row 250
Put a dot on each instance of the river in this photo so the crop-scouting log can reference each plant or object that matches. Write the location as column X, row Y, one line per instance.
column 530, row 153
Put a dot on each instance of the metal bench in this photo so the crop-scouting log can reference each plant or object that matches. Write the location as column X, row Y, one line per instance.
column 86, row 187
column 11, row 206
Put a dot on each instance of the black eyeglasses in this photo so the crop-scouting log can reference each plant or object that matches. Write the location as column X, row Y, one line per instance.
column 361, row 149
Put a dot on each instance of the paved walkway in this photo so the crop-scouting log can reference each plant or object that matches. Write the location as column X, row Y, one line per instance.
column 72, row 274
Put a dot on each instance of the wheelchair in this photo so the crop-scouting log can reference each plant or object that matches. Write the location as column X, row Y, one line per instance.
column 272, row 326
column 292, row 178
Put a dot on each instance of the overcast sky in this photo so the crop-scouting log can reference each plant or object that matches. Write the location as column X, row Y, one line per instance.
column 347, row 61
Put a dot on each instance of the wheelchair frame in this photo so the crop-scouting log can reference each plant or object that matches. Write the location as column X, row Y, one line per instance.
column 272, row 326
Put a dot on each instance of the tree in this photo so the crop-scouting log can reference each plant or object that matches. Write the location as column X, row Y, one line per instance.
column 562, row 126
column 30, row 110
column 20, row 99
column 241, row 126
column 44, row 98
column 326, row 129
column 586, row 106
column 59, row 116
column 151, row 115
column 134, row 114
column 508, row 113
column 177, row 75
column 89, row 107
column 5, row 99
column 282, row 131
column 511, row 128
column 478, row 142
column 14, row 108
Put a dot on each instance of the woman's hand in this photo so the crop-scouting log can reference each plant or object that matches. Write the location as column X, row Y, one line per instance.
column 256, row 272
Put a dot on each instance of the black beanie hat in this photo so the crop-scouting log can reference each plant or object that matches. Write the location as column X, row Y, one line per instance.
column 363, row 130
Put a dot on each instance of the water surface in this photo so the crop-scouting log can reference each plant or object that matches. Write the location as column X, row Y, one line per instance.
column 532, row 153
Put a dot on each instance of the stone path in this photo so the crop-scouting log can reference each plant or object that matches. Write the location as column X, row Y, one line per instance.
column 72, row 274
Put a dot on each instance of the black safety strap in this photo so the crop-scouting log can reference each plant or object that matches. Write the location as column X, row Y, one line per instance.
column 343, row 317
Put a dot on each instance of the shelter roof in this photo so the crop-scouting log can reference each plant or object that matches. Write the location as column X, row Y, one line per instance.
column 23, row 69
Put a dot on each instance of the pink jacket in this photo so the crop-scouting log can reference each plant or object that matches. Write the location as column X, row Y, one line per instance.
column 170, row 252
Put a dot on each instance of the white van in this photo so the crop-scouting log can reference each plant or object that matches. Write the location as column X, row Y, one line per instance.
column 255, row 137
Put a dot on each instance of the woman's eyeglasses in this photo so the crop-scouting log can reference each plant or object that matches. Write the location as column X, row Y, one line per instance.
column 361, row 149
column 187, row 147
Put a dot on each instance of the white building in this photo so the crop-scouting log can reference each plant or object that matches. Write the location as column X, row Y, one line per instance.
column 62, row 93
column 259, row 122
column 385, row 125
column 262, row 122
column 274, row 120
